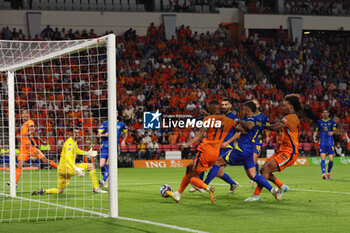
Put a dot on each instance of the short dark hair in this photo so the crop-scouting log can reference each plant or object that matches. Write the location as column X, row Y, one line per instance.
column 294, row 100
column 227, row 99
column 325, row 109
column 214, row 102
column 251, row 105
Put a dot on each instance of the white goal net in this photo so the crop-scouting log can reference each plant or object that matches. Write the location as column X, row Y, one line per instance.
column 54, row 97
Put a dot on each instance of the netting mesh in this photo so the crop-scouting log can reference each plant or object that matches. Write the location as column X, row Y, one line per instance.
column 65, row 88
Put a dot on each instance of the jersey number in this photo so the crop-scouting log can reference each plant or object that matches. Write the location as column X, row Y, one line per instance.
column 216, row 131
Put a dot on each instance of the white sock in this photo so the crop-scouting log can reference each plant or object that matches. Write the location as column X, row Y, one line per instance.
column 208, row 188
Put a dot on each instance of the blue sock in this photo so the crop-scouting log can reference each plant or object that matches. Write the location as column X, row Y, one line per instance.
column 257, row 168
column 106, row 174
column 102, row 170
column 330, row 165
column 212, row 174
column 323, row 166
column 227, row 179
column 201, row 176
column 262, row 182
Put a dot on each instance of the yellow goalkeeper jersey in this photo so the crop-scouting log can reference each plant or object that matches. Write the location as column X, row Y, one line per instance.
column 68, row 156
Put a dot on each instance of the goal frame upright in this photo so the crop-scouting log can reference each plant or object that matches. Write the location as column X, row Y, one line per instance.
column 15, row 65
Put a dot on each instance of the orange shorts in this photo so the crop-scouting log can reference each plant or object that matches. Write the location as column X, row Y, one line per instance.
column 29, row 151
column 204, row 160
column 283, row 159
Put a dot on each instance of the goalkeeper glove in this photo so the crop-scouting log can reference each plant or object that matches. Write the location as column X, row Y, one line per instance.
column 79, row 171
column 91, row 153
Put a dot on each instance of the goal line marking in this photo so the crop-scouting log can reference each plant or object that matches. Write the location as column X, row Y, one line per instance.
column 106, row 215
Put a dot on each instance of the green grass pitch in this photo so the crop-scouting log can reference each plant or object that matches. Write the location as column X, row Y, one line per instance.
column 312, row 204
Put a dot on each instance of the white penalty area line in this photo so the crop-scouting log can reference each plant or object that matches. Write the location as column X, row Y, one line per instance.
column 106, row 215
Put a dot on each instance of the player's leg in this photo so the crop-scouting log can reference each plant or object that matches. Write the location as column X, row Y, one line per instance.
column 41, row 156
column 214, row 171
column 323, row 160
column 103, row 159
column 92, row 172
column 194, row 189
column 255, row 156
column 63, row 180
column 106, row 174
column 176, row 196
column 330, row 164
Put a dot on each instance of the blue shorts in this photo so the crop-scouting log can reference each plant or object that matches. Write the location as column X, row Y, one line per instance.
column 257, row 149
column 104, row 153
column 236, row 157
column 326, row 149
column 225, row 151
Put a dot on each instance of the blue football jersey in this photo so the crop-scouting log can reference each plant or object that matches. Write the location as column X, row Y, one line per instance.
column 232, row 131
column 325, row 127
column 121, row 127
column 261, row 121
column 246, row 142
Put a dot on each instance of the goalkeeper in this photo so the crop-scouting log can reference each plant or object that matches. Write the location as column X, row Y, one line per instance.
column 67, row 167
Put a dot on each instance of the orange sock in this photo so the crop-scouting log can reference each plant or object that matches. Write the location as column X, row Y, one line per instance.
column 257, row 190
column 52, row 164
column 198, row 183
column 278, row 183
column 18, row 174
column 184, row 184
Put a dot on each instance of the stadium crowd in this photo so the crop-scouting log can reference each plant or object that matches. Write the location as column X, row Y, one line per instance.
column 179, row 76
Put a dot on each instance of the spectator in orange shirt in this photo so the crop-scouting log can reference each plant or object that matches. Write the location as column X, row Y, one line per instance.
column 172, row 138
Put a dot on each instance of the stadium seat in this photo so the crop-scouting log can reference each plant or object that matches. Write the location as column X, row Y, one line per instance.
column 26, row 5
column 175, row 147
column 44, row 4
column 68, row 5
column 160, row 147
column 157, row 5
column 124, row 5
column 36, row 5
column 206, row 9
column 141, row 7
column 307, row 147
column 85, row 5
column 109, row 5
column 93, row 5
column 198, row 8
column 101, row 5
column 301, row 145
column 166, row 5
column 59, row 5
column 76, row 5
column 117, row 5
column 133, row 7
column 132, row 148
column 167, row 147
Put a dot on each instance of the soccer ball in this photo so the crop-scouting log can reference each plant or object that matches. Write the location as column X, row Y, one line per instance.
column 163, row 190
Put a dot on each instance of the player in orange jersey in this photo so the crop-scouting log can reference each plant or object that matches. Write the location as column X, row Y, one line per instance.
column 208, row 151
column 288, row 151
column 29, row 148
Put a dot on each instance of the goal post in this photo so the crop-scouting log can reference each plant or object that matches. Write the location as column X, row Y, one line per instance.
column 85, row 61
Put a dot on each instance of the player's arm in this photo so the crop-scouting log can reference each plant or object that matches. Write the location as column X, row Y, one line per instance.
column 334, row 128
column 101, row 134
column 123, row 136
column 199, row 135
column 31, row 132
column 234, row 138
column 247, row 125
column 275, row 127
column 315, row 134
